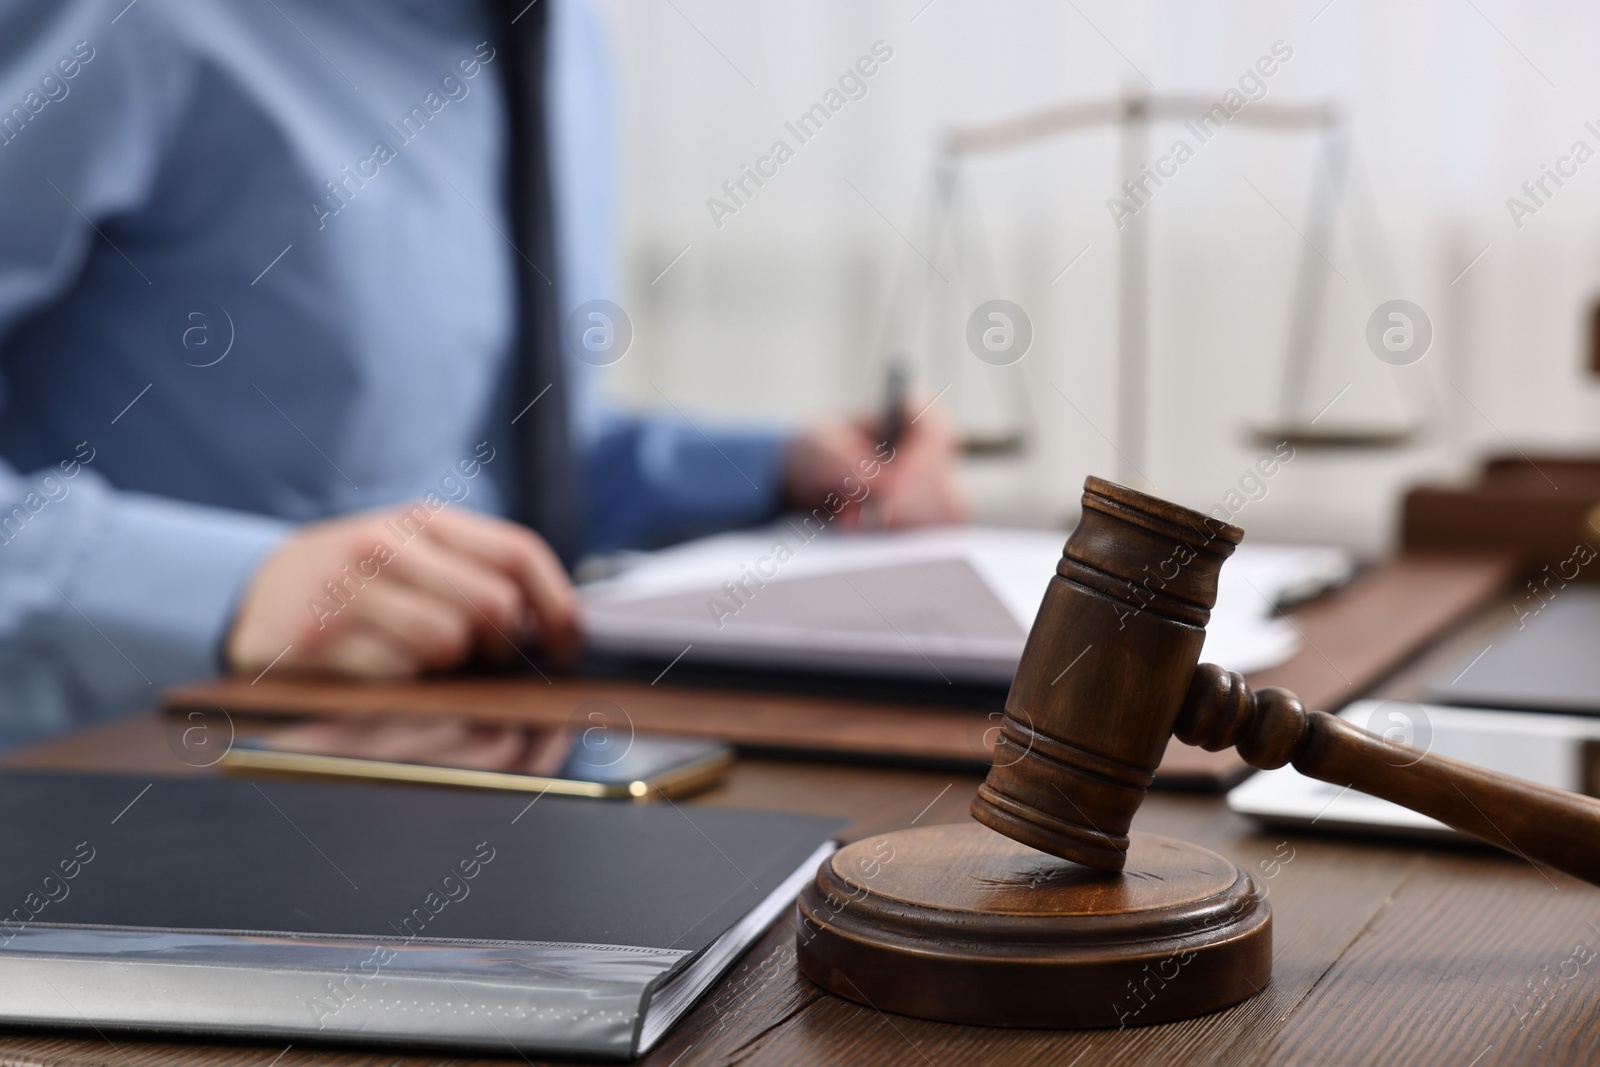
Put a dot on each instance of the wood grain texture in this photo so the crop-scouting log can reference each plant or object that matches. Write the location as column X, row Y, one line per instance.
column 1474, row 959
column 1383, row 952
column 1320, row 907
column 1360, row 997
column 957, row 923
column 1353, row 637
column 748, row 718
column 1103, row 674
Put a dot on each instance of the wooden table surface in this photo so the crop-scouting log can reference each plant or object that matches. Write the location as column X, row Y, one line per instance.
column 1388, row 953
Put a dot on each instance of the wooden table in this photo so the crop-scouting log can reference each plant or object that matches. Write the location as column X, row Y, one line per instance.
column 1384, row 953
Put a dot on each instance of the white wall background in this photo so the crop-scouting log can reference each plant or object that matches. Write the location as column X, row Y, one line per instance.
column 780, row 314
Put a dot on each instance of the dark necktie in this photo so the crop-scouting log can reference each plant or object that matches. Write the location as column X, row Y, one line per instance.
column 549, row 497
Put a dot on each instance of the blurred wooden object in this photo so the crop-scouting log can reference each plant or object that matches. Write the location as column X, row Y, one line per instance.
column 1544, row 509
column 1384, row 952
column 1594, row 338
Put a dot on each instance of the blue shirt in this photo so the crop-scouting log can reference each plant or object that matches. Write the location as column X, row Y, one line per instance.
column 256, row 269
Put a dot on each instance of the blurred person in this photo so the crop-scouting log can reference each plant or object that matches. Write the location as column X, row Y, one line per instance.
column 282, row 375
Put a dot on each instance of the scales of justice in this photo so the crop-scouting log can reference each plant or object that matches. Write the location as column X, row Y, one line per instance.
column 991, row 405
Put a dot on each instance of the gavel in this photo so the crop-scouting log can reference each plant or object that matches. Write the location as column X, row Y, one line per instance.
column 1063, row 918
column 1078, row 748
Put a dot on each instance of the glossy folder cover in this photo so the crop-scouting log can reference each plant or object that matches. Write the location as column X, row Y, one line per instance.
column 424, row 916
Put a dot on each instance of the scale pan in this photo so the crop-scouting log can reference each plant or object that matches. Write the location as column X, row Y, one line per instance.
column 1333, row 438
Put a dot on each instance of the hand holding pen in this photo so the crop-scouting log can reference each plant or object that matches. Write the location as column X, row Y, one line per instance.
column 895, row 469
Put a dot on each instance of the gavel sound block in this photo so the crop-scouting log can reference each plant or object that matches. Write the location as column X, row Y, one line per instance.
column 1047, row 912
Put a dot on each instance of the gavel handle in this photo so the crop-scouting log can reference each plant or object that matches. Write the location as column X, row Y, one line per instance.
column 1539, row 823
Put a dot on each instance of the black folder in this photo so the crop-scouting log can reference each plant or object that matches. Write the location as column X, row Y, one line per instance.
column 281, row 909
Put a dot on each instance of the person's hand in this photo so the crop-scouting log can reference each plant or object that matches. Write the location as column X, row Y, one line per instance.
column 372, row 596
column 846, row 467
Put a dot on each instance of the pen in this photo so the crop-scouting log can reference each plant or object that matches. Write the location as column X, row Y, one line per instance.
column 894, row 403
column 874, row 516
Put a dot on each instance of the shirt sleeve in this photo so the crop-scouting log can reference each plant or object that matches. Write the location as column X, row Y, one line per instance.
column 105, row 596
column 650, row 479
column 653, row 482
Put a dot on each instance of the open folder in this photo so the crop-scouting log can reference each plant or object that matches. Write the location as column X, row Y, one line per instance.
column 952, row 604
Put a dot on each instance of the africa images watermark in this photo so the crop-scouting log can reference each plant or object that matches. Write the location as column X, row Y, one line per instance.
column 452, row 89
column 1167, row 970
column 739, row 590
column 999, row 333
column 406, row 527
column 1542, row 988
column 453, row 888
column 852, row 85
column 866, row 869
column 736, row 992
column 53, row 888
column 1542, row 188
column 52, row 88
column 51, row 489
column 1252, row 88
column 1582, row 555
column 1253, row 483
column 1252, row 486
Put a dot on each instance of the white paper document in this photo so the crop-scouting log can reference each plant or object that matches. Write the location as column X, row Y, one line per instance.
column 950, row 602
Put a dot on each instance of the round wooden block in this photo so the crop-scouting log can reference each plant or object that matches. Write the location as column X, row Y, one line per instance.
column 960, row 924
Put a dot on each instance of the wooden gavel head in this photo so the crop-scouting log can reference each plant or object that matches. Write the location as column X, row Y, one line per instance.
column 1104, row 674
column 953, row 922
column 1109, row 675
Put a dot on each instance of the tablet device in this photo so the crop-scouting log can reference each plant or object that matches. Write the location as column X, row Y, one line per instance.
column 1546, row 658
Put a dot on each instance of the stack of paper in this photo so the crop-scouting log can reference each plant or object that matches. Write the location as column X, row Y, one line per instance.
column 952, row 602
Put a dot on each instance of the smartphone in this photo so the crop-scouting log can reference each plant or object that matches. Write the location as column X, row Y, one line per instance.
column 570, row 762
